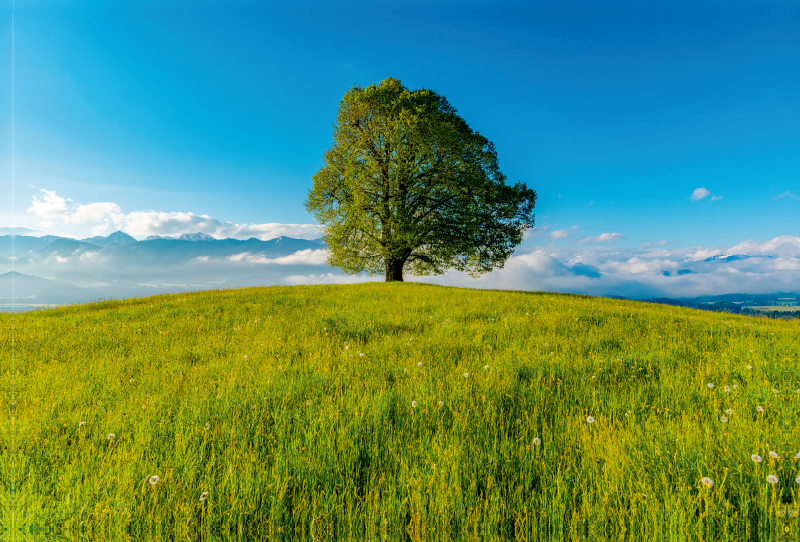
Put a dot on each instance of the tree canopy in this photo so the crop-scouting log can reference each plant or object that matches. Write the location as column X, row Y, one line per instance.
column 408, row 185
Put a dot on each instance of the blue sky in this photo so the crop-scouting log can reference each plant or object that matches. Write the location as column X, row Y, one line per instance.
column 615, row 112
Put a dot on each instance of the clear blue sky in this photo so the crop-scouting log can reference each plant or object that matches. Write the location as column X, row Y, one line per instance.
column 226, row 108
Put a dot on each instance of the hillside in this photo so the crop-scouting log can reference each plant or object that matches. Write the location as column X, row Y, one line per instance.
column 401, row 411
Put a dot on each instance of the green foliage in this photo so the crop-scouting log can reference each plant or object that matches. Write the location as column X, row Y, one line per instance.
column 408, row 185
column 261, row 398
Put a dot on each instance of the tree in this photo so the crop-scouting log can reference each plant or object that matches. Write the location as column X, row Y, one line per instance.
column 408, row 185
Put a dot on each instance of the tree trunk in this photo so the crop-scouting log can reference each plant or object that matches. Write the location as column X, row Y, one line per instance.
column 394, row 270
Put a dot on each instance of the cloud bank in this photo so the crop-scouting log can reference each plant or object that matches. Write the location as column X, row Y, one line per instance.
column 650, row 270
column 53, row 210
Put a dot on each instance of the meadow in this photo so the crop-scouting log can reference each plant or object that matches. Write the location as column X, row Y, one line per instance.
column 398, row 412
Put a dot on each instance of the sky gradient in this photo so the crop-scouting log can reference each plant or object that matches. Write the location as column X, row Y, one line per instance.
column 636, row 123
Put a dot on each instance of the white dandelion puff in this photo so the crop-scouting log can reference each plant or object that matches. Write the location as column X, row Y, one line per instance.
column 466, row 375
column 203, row 496
column 308, row 402
column 419, row 364
column 485, row 366
column 729, row 412
column 110, row 436
column 536, row 441
column 749, row 366
column 756, row 458
column 772, row 479
column 707, row 482
column 760, row 408
column 153, row 480
column 361, row 354
column 81, row 424
column 441, row 404
column 207, row 427
column 797, row 480
column 589, row 419
column 710, row 385
column 724, row 419
column 413, row 404
column 774, row 455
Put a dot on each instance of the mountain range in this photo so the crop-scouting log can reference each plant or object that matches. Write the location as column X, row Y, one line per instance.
column 59, row 270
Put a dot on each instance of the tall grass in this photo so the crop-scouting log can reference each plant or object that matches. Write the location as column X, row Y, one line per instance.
column 400, row 412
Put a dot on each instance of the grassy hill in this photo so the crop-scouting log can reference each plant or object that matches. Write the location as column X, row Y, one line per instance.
column 399, row 411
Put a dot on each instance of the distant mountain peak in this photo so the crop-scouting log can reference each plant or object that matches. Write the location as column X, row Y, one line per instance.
column 116, row 238
column 199, row 236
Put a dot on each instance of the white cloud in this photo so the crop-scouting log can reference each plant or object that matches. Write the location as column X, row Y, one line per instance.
column 699, row 193
column 53, row 209
column 100, row 228
column 558, row 234
column 52, row 206
column 301, row 257
column 603, row 238
column 787, row 194
column 603, row 270
column 716, row 198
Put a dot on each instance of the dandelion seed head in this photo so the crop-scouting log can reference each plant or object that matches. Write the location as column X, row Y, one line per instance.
column 589, row 419
column 729, row 412
column 756, row 458
column 772, row 479
column 760, row 408
column 774, row 455
column 536, row 441
column 153, row 480
column 485, row 366
column 706, row 481
column 81, row 424
column 203, row 496
column 441, row 404
column 419, row 364
column 413, row 404
column 710, row 385
column 466, row 375
column 749, row 366
column 724, row 419
column 110, row 436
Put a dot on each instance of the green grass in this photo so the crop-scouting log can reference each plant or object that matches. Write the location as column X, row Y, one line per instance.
column 262, row 398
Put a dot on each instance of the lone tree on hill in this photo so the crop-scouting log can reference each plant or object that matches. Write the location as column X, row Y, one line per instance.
column 408, row 185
